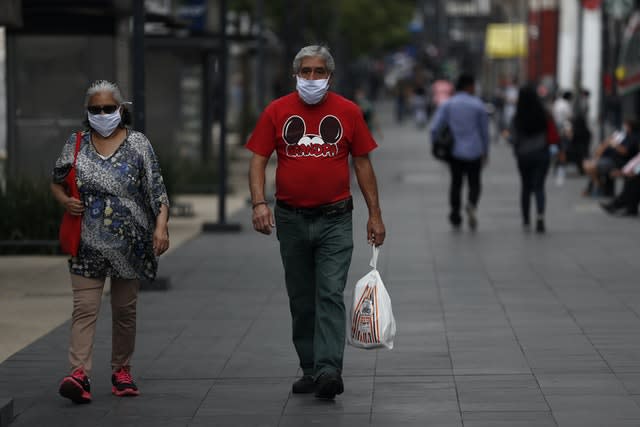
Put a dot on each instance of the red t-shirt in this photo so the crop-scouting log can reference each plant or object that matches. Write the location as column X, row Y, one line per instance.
column 313, row 143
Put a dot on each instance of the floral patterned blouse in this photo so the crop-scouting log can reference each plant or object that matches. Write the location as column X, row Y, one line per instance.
column 122, row 196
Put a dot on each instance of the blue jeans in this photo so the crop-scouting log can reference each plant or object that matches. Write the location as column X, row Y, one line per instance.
column 316, row 255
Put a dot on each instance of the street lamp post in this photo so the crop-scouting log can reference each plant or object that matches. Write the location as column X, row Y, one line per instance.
column 222, row 225
column 260, row 58
column 138, row 65
column 578, row 71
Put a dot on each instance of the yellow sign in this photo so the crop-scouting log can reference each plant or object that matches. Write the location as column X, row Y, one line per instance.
column 506, row 40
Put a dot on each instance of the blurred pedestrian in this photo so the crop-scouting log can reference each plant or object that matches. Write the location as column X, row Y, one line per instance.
column 629, row 197
column 510, row 100
column 609, row 155
column 402, row 92
column 125, row 210
column 466, row 116
column 579, row 142
column 562, row 112
column 368, row 112
column 313, row 132
column 441, row 91
column 532, row 133
column 419, row 105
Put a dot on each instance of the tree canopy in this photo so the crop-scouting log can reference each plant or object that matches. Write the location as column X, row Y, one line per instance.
column 361, row 27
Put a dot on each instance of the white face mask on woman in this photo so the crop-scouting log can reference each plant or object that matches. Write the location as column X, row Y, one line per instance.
column 105, row 124
column 312, row 91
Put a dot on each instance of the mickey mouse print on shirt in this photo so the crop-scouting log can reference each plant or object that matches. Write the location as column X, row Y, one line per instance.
column 302, row 144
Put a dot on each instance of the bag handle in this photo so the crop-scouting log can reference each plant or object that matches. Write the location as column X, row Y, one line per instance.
column 374, row 258
column 78, row 142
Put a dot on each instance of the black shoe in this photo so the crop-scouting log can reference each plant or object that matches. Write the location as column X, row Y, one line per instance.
column 304, row 384
column 629, row 213
column 455, row 219
column 328, row 385
column 540, row 228
column 609, row 208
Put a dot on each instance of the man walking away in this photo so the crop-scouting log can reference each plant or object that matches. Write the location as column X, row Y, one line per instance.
column 468, row 120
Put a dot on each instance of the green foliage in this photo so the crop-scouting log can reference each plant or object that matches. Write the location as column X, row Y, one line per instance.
column 29, row 212
column 183, row 176
column 370, row 28
column 362, row 27
column 196, row 177
column 169, row 171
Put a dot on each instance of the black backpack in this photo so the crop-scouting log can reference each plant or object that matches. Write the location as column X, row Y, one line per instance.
column 442, row 145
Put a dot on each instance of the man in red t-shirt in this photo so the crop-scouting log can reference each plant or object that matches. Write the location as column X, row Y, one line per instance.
column 313, row 132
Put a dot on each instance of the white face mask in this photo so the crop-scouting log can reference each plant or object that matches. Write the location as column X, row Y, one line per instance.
column 105, row 124
column 312, row 91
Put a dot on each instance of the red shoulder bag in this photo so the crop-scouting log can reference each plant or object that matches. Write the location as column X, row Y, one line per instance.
column 71, row 224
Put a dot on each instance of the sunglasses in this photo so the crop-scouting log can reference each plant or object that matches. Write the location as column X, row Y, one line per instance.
column 97, row 109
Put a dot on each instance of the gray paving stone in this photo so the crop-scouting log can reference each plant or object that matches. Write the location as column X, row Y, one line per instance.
column 413, row 363
column 236, row 420
column 359, row 363
column 176, row 368
column 193, row 347
column 255, row 396
column 489, row 361
column 603, row 406
column 631, row 382
column 566, row 384
column 60, row 416
column 6, row 411
column 594, row 418
column 508, row 419
column 414, row 395
column 496, row 393
column 256, row 365
column 145, row 421
column 169, row 398
column 438, row 418
column 566, row 361
column 339, row 420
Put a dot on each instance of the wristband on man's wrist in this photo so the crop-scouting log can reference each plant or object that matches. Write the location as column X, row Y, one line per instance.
column 258, row 203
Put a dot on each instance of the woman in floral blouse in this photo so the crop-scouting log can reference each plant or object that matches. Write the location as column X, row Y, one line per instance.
column 125, row 210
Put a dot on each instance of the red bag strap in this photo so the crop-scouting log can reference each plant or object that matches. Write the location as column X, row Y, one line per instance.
column 78, row 143
column 552, row 132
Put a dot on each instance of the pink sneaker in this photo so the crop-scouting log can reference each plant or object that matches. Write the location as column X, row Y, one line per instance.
column 123, row 384
column 76, row 387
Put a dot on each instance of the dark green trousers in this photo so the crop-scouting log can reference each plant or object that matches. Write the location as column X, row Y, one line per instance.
column 316, row 254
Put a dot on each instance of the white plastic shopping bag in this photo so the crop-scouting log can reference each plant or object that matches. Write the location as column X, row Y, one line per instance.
column 371, row 323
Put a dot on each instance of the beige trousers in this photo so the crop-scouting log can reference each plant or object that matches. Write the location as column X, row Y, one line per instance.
column 87, row 296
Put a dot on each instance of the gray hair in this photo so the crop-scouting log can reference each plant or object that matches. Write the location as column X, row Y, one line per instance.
column 103, row 86
column 314, row 50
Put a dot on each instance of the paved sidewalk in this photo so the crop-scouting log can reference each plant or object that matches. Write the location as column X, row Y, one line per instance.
column 35, row 292
column 495, row 328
